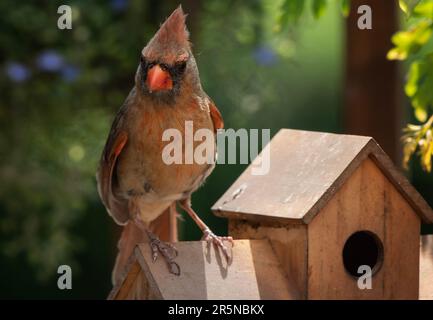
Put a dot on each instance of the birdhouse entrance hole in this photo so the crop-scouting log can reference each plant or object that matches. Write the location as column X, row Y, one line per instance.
column 362, row 248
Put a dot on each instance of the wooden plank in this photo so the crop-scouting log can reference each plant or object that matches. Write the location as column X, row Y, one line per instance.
column 147, row 279
column 426, row 268
column 120, row 292
column 272, row 282
column 290, row 246
column 135, row 282
column 254, row 270
column 399, row 181
column 139, row 290
column 402, row 236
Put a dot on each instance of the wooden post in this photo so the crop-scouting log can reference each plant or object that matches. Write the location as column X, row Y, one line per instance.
column 371, row 105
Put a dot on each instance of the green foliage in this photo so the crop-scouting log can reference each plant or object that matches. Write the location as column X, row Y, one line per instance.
column 419, row 137
column 54, row 125
column 408, row 6
column 414, row 44
column 411, row 41
column 60, row 90
column 419, row 86
column 423, row 9
column 319, row 7
column 292, row 10
column 345, row 7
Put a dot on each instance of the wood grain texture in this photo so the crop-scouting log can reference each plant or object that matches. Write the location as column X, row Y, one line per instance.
column 135, row 283
column 426, row 268
column 122, row 290
column 402, row 247
column 367, row 201
column 306, row 170
column 130, row 290
column 254, row 273
column 303, row 167
column 290, row 246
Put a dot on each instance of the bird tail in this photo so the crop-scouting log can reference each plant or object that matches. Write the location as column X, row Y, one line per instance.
column 165, row 227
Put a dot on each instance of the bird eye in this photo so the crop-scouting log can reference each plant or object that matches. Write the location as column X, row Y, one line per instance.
column 163, row 66
column 180, row 67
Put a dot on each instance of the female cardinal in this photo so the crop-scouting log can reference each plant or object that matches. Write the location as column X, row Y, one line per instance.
column 134, row 183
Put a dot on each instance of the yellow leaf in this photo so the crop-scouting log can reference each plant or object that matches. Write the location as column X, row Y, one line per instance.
column 421, row 114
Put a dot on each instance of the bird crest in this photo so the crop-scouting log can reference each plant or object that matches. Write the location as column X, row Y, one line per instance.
column 172, row 33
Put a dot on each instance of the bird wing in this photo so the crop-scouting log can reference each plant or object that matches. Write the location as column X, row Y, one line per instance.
column 215, row 114
column 106, row 177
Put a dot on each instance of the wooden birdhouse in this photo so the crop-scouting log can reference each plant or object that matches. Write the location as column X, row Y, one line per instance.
column 329, row 204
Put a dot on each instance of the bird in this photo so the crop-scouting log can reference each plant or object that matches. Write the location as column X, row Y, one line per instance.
column 134, row 183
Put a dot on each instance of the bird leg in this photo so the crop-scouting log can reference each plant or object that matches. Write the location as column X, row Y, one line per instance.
column 208, row 235
column 167, row 250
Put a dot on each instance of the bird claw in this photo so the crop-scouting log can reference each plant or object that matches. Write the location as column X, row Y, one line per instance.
column 167, row 251
column 174, row 268
column 210, row 237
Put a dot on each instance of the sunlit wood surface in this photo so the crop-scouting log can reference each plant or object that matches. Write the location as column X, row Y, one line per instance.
column 426, row 268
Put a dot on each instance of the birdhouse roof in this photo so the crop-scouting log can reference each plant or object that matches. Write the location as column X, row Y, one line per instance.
column 306, row 169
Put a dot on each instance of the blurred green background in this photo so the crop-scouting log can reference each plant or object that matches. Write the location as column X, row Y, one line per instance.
column 60, row 90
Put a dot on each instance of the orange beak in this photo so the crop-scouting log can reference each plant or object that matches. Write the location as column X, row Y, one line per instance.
column 158, row 79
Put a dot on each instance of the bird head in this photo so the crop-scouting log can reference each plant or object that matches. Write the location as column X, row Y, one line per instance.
column 166, row 62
